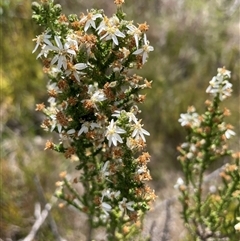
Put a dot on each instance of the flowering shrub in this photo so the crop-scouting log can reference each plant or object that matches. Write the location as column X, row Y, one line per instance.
column 210, row 214
column 92, row 106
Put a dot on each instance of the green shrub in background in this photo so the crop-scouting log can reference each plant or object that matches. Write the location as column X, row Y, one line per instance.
column 20, row 84
column 192, row 39
column 210, row 212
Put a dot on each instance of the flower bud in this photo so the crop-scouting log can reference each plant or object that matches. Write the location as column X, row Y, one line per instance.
column 36, row 7
column 72, row 17
column 58, row 9
column 36, row 18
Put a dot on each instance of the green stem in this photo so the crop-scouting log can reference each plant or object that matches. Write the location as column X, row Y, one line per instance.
column 72, row 190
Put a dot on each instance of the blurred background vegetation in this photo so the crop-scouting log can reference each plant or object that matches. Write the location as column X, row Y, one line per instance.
column 191, row 40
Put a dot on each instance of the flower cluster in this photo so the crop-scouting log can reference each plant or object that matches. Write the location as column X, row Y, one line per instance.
column 204, row 210
column 209, row 126
column 191, row 118
column 219, row 85
column 92, row 105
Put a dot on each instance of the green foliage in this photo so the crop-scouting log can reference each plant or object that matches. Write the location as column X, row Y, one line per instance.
column 209, row 213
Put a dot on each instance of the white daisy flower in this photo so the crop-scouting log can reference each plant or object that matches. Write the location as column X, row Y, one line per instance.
column 113, row 132
column 144, row 51
column 139, row 132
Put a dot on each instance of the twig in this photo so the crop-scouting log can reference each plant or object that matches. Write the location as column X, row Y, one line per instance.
column 151, row 230
column 38, row 223
column 41, row 216
column 166, row 230
column 50, row 218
